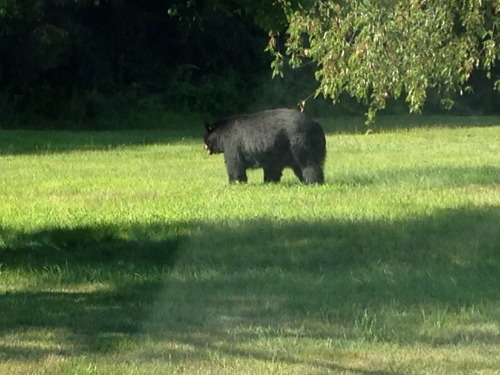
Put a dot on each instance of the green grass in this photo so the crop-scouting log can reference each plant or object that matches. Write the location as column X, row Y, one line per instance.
column 129, row 253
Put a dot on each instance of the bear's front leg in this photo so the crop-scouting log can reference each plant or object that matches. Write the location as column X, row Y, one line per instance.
column 236, row 170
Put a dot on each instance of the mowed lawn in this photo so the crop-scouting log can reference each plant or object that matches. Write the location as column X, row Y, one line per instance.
column 129, row 253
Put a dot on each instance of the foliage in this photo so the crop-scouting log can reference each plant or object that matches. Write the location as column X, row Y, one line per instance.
column 374, row 50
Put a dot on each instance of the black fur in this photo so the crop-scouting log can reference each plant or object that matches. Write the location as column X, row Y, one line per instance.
column 272, row 140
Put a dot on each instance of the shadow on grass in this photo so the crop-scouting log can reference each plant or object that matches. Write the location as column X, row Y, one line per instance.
column 90, row 287
column 13, row 142
column 427, row 280
column 356, row 124
column 434, row 176
column 84, row 322
column 88, row 247
column 46, row 142
column 225, row 286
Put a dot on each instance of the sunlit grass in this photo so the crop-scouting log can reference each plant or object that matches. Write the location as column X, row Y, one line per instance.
column 130, row 253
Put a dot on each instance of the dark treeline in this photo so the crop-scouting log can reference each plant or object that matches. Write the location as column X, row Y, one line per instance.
column 82, row 60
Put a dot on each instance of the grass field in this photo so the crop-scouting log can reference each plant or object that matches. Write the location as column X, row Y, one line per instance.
column 128, row 253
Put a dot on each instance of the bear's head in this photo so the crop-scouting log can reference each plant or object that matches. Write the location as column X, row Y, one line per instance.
column 213, row 141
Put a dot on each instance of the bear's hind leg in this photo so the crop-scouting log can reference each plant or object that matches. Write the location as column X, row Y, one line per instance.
column 313, row 174
column 308, row 163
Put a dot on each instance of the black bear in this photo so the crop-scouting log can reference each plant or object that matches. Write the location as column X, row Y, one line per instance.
column 272, row 140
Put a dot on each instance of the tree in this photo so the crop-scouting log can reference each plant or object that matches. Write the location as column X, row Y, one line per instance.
column 84, row 59
column 376, row 49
